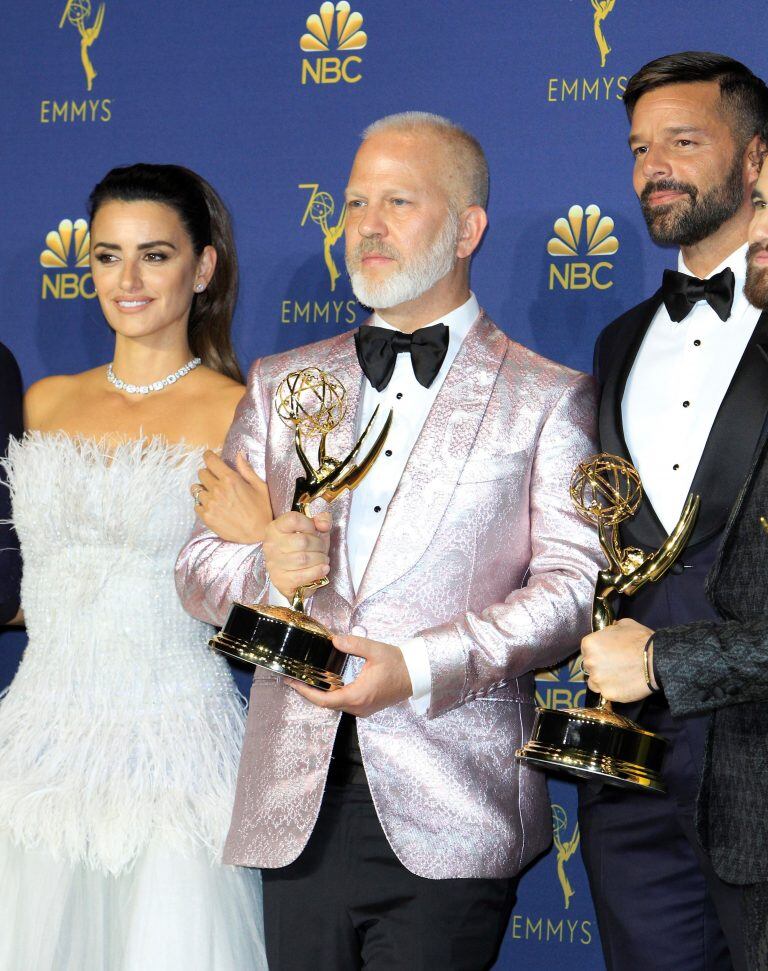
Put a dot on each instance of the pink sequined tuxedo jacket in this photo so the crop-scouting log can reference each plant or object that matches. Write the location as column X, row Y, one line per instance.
column 480, row 553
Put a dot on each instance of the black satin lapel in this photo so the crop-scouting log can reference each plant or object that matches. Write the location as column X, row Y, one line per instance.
column 734, row 438
column 645, row 528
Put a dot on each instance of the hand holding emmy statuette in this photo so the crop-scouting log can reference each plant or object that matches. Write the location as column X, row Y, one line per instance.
column 286, row 640
column 597, row 743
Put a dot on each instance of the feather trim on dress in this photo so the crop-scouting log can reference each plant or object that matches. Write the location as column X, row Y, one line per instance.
column 121, row 726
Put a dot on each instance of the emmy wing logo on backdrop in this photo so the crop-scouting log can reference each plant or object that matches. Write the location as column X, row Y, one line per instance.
column 602, row 8
column 320, row 209
column 334, row 28
column 555, row 926
column 592, row 17
column 321, row 213
column 78, row 14
column 565, row 847
column 66, row 252
column 585, row 233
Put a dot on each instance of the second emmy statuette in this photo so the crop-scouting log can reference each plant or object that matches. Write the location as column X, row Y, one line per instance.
column 598, row 743
column 282, row 639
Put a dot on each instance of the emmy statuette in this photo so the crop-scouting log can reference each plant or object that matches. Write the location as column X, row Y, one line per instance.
column 281, row 639
column 598, row 743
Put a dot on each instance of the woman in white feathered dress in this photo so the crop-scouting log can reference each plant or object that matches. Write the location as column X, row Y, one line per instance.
column 120, row 735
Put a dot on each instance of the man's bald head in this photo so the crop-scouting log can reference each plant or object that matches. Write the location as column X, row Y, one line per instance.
column 464, row 171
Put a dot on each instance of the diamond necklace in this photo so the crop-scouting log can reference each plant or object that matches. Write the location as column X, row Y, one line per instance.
column 156, row 385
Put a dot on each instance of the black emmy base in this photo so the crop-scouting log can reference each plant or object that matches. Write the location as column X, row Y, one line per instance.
column 283, row 641
column 597, row 744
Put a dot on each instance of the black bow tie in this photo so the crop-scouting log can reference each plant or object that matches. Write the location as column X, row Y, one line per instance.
column 682, row 292
column 378, row 347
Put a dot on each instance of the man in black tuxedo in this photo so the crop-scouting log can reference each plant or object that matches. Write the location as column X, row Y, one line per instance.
column 10, row 424
column 684, row 380
column 719, row 666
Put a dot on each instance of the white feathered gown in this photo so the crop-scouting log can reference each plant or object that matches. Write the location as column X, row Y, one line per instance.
column 120, row 735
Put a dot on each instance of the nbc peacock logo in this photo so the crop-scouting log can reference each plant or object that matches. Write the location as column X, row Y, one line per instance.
column 66, row 252
column 333, row 28
column 561, row 687
column 584, row 233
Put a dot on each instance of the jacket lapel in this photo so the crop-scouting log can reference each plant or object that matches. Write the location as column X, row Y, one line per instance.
column 437, row 459
column 734, row 438
column 342, row 363
column 645, row 528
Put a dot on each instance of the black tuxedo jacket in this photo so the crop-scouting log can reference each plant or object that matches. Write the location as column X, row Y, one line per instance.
column 732, row 442
column 722, row 667
column 10, row 424
column 713, row 598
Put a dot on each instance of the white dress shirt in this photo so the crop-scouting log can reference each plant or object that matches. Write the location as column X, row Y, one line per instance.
column 676, row 386
column 410, row 403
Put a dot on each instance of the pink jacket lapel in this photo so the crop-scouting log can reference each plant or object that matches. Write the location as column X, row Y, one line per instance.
column 437, row 459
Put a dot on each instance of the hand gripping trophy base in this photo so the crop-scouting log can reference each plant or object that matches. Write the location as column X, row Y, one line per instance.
column 598, row 743
column 285, row 640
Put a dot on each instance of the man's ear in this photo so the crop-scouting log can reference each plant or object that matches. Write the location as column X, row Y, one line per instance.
column 754, row 156
column 472, row 224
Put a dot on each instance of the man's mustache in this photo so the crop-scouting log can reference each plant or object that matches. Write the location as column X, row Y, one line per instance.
column 668, row 185
column 374, row 247
column 755, row 248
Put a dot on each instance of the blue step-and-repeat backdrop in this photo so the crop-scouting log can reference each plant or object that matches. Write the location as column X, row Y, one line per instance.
column 267, row 100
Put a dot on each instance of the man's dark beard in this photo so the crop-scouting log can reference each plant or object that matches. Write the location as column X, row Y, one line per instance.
column 681, row 224
column 756, row 286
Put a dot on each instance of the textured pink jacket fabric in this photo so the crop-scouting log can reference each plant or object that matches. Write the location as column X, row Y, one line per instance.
column 481, row 553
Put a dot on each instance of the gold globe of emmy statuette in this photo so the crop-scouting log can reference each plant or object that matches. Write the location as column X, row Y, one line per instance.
column 78, row 11
column 598, row 743
column 286, row 640
column 321, row 208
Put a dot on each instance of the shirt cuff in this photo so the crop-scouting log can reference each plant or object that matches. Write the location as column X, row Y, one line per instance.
column 276, row 599
column 417, row 661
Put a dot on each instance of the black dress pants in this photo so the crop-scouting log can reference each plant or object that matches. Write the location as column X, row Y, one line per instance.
column 347, row 903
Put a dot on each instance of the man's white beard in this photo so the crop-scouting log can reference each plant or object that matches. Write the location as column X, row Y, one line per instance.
column 413, row 279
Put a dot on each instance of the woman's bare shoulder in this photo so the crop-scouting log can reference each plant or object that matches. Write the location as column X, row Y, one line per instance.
column 48, row 395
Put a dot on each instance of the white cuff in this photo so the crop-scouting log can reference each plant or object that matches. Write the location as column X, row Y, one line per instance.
column 417, row 661
column 276, row 598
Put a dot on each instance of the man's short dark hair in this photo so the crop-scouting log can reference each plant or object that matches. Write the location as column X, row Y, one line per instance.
column 744, row 95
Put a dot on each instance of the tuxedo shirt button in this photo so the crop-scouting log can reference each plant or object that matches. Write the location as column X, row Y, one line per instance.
column 359, row 631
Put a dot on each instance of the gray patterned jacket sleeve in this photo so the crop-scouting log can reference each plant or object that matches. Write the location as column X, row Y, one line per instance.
column 709, row 665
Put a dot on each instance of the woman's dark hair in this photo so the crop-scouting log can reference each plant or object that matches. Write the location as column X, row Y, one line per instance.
column 743, row 95
column 207, row 221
